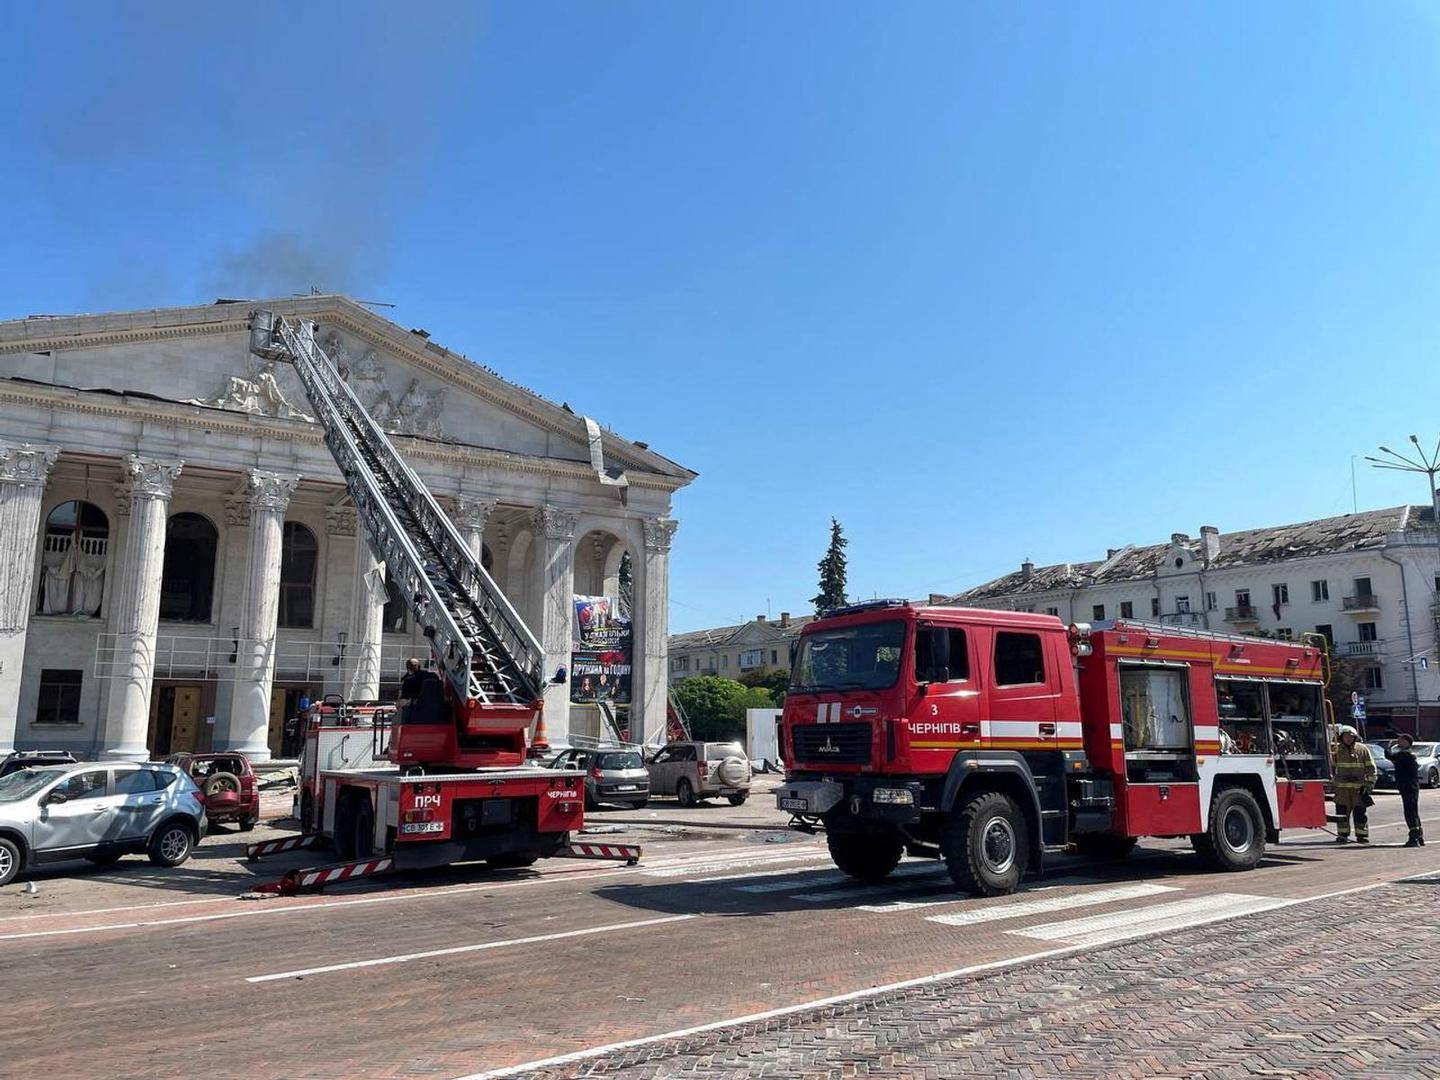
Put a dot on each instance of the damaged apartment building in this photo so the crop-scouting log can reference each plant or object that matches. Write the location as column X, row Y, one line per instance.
column 1369, row 582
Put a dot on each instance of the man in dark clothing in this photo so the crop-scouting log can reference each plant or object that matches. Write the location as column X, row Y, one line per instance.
column 1407, row 779
column 410, row 685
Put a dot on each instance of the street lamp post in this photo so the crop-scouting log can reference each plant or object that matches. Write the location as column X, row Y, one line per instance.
column 1427, row 465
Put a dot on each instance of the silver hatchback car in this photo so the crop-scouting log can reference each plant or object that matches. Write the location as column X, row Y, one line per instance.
column 97, row 811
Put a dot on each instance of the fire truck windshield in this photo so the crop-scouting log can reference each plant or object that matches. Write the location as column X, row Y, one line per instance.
column 865, row 657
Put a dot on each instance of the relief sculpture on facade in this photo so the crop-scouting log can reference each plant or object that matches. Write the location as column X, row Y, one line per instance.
column 417, row 412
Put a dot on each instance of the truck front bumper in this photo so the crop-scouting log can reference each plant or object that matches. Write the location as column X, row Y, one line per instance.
column 893, row 801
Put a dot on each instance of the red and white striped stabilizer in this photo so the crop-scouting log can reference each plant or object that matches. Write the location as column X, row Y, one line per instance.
column 626, row 853
column 274, row 847
column 317, row 877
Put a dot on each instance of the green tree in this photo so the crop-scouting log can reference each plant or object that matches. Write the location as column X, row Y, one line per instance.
column 716, row 706
column 832, row 571
column 775, row 680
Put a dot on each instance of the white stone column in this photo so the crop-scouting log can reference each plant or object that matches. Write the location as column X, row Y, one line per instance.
column 248, row 726
column 470, row 515
column 23, row 470
column 362, row 657
column 555, row 529
column 650, row 682
column 135, row 607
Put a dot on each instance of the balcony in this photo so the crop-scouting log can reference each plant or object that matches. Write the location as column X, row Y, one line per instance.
column 1242, row 613
column 1362, row 648
column 1360, row 604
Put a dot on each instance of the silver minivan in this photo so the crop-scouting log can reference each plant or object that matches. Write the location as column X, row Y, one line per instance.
column 98, row 811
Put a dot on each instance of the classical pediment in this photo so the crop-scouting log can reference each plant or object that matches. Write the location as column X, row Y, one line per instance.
column 409, row 384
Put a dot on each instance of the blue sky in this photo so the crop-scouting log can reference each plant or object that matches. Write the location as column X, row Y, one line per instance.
column 982, row 281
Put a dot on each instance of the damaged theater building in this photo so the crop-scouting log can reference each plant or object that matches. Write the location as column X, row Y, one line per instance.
column 180, row 564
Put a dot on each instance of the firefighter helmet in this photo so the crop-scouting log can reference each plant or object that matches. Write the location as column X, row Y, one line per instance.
column 1346, row 729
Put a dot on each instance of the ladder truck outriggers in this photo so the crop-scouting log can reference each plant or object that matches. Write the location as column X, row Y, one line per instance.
column 460, row 784
column 986, row 738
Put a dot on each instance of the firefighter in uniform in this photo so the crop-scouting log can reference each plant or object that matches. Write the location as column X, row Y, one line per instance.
column 1407, row 779
column 1354, row 778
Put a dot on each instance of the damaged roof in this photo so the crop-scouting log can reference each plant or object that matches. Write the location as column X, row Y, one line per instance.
column 1325, row 536
column 721, row 636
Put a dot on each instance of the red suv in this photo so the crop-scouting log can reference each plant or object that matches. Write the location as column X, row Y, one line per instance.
column 227, row 786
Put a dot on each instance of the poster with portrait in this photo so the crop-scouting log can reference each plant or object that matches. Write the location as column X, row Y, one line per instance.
column 601, row 654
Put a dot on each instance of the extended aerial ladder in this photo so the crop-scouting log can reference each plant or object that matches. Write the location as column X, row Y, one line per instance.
column 491, row 661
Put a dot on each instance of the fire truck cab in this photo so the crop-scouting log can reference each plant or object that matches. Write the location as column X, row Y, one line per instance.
column 985, row 738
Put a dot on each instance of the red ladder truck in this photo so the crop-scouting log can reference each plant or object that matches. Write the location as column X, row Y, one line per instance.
column 459, row 783
column 986, row 738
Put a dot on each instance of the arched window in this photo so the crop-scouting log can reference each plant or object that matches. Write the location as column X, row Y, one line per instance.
column 72, row 566
column 396, row 618
column 298, row 555
column 187, row 584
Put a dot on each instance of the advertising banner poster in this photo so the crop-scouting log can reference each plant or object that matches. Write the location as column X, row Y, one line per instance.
column 601, row 653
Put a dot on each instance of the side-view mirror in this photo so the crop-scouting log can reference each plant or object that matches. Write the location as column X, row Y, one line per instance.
column 56, row 797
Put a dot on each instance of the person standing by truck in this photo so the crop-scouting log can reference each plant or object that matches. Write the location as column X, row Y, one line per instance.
column 1407, row 779
column 1355, row 774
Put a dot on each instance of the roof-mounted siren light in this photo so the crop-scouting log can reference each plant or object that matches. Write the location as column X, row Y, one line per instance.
column 1079, row 634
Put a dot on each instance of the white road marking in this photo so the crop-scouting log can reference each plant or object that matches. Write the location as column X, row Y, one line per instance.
column 997, row 912
column 854, row 995
column 713, row 866
column 405, row 958
column 1137, row 922
column 893, row 906
column 416, row 893
column 879, row 889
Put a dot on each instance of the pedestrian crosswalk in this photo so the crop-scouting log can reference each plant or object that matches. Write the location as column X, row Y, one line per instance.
column 1015, row 909
column 1137, row 922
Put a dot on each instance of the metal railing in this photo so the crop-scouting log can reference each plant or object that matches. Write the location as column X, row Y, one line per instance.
column 1182, row 618
column 201, row 658
column 1242, row 613
column 1367, row 602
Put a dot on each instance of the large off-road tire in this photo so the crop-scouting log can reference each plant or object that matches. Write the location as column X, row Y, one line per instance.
column 345, row 828
column 685, row 793
column 1236, row 837
column 738, row 800
column 866, row 856
column 171, row 843
column 307, row 812
column 986, row 845
column 220, row 782
column 1107, row 846
column 11, row 860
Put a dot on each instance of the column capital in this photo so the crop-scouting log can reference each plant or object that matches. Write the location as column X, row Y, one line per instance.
column 26, row 465
column 469, row 511
column 658, row 533
column 269, row 490
column 149, row 478
column 556, row 523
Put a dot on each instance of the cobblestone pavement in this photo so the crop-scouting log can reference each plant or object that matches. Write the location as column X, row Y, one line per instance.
column 1342, row 987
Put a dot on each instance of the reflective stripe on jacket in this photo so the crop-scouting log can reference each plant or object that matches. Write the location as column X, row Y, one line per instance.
column 1354, row 767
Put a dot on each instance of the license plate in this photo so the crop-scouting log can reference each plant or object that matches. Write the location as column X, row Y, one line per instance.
column 626, row 787
column 794, row 804
column 412, row 828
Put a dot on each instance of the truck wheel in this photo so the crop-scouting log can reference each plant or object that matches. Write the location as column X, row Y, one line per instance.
column 344, row 828
column 1236, row 837
column 865, row 856
column 307, row 812
column 1104, row 845
column 738, row 800
column 685, row 793
column 364, row 817
column 987, row 845
column 513, row 860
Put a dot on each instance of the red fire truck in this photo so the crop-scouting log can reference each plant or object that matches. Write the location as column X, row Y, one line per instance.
column 456, row 782
column 985, row 738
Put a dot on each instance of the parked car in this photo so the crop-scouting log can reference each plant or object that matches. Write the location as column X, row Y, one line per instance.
column 30, row 759
column 97, row 811
column 692, row 771
column 227, row 784
column 1427, row 757
column 614, row 776
column 1384, row 767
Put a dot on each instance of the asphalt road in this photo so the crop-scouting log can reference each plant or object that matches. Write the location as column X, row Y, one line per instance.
column 138, row 972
